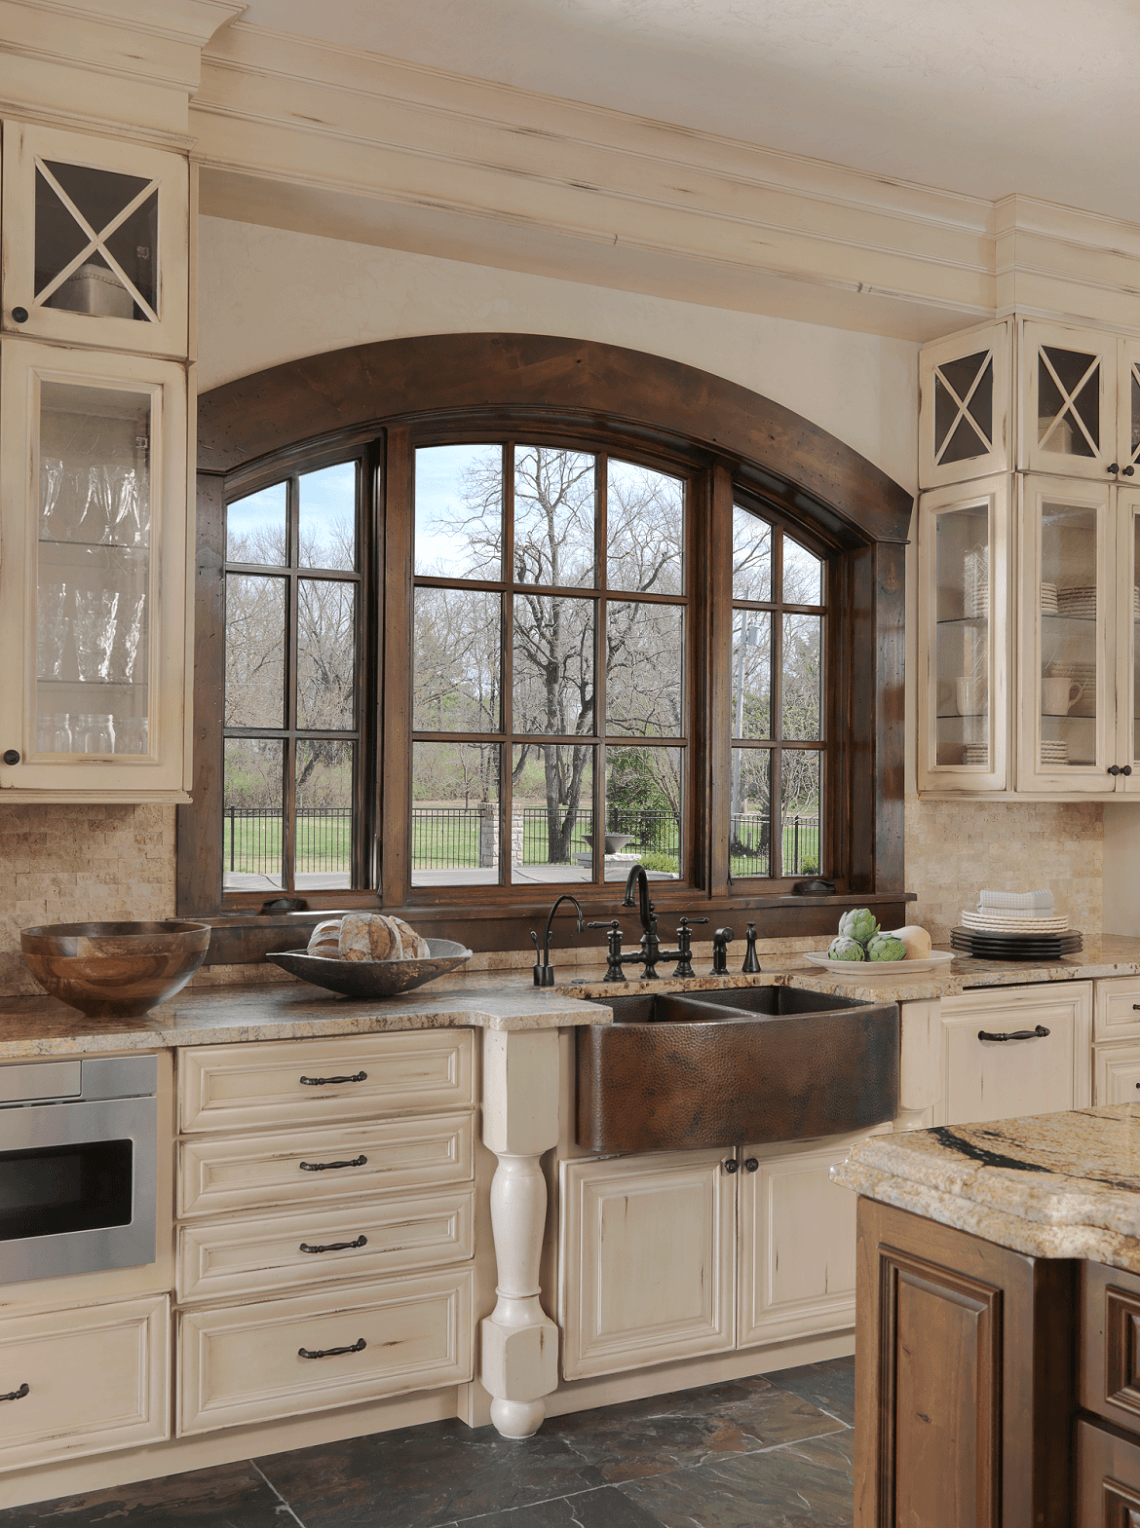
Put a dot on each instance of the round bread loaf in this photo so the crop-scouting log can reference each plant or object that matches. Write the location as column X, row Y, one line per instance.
column 325, row 939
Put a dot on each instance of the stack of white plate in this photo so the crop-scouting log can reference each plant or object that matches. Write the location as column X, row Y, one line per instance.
column 1136, row 602
column 999, row 920
column 1079, row 601
column 1048, row 599
column 1054, row 752
column 977, row 753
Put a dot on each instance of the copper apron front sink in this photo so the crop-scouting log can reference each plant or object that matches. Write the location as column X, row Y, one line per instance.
column 750, row 1064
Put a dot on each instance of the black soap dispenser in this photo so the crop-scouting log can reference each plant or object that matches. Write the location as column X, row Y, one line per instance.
column 751, row 963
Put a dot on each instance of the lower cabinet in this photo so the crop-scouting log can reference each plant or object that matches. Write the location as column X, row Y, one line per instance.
column 672, row 1255
column 84, row 1381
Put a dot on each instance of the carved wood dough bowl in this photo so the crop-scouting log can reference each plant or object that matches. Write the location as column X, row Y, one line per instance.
column 741, row 1066
column 115, row 970
column 372, row 978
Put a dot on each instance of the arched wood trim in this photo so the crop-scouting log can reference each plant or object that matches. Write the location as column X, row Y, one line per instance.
column 786, row 457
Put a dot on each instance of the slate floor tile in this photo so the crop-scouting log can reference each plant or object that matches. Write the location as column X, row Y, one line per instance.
column 830, row 1386
column 605, row 1507
column 424, row 1477
column 227, row 1496
column 800, row 1485
column 651, row 1437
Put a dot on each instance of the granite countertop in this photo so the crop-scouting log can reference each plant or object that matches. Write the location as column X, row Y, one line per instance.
column 1051, row 1185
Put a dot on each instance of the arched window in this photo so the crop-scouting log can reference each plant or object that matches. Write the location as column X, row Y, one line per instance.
column 479, row 621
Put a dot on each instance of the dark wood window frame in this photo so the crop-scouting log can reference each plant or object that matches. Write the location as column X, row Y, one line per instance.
column 733, row 446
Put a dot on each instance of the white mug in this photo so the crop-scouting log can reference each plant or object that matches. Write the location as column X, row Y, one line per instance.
column 1057, row 695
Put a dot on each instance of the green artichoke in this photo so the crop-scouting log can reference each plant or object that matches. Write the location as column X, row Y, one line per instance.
column 843, row 948
column 886, row 947
column 860, row 923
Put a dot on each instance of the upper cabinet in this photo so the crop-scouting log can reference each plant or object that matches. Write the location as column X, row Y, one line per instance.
column 965, row 408
column 95, row 242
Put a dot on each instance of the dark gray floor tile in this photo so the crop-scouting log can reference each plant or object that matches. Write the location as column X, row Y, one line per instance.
column 653, row 1437
column 424, row 1477
column 228, row 1496
column 801, row 1485
column 605, row 1507
column 830, row 1386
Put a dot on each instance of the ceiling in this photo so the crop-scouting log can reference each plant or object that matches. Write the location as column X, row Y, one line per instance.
column 981, row 97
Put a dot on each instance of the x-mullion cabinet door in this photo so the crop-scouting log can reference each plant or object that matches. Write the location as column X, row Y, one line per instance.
column 1068, row 392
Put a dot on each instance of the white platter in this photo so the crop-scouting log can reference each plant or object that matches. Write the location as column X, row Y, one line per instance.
column 880, row 967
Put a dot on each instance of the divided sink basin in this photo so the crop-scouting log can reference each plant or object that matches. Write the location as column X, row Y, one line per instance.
column 745, row 1064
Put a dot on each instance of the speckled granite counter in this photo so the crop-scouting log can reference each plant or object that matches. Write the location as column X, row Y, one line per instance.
column 1051, row 1185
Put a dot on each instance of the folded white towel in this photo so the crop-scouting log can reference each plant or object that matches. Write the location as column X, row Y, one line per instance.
column 1019, row 899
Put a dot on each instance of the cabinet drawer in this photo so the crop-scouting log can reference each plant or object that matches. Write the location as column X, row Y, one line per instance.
column 287, row 1082
column 97, row 1379
column 244, row 1363
column 255, row 1172
column 1116, row 1074
column 1108, row 1479
column 1116, row 1008
column 1110, row 1344
column 239, row 1257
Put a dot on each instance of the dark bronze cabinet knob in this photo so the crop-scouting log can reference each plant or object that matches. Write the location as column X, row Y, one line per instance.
column 11, row 756
column 1114, row 769
column 751, row 1164
column 732, row 1165
column 19, row 315
column 1114, row 467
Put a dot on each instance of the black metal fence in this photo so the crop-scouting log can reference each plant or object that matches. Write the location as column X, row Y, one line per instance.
column 252, row 842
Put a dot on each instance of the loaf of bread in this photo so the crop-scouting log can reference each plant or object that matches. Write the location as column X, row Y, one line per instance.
column 325, row 939
column 367, row 936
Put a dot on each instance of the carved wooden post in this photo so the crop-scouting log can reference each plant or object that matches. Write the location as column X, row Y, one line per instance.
column 520, row 1122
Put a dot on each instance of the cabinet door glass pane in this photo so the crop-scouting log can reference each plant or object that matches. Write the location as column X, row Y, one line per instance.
column 96, row 241
column 1068, row 402
column 1134, row 627
column 964, row 407
column 1068, row 646
column 962, row 637
column 93, row 570
column 1134, row 412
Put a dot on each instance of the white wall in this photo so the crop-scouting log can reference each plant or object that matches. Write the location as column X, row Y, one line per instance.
column 267, row 295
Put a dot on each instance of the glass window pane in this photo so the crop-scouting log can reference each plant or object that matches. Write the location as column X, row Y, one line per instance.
column 327, row 509
column 459, row 511
column 326, row 653
column 645, row 669
column 751, row 556
column 255, row 651
column 553, row 682
column 552, row 816
column 644, row 796
column 800, row 817
column 1069, row 648
column 962, row 636
column 645, row 530
column 554, row 517
column 457, row 661
column 255, row 527
column 751, row 674
column 802, row 698
column 803, row 575
column 253, row 800
column 750, row 831
column 324, row 828
column 455, row 814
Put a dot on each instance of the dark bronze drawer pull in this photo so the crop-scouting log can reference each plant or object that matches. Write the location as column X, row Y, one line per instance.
column 357, row 1347
column 17, row 1395
column 324, row 1082
column 1015, row 1034
column 323, row 1167
column 361, row 1241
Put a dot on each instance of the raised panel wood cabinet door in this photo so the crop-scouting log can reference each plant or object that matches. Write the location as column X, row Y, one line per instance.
column 1068, row 401
column 646, row 1272
column 1116, row 1074
column 1108, row 1480
column 1043, row 1073
column 797, row 1242
column 1116, row 1008
column 964, row 405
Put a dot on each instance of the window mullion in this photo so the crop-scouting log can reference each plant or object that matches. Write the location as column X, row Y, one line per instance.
column 710, row 682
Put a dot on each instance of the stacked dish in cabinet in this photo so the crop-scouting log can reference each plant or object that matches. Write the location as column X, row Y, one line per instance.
column 326, row 1223
column 1015, row 925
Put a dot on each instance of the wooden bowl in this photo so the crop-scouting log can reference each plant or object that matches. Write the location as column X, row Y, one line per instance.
column 373, row 978
column 115, row 970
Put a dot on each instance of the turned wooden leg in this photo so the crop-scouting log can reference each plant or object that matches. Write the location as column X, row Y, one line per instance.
column 520, row 1122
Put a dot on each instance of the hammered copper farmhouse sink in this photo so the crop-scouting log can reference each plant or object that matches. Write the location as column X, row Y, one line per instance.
column 750, row 1064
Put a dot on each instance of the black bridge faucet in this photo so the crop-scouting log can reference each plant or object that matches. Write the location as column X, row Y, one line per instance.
column 650, row 952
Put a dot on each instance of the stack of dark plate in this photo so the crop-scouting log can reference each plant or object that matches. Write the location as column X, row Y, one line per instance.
column 1014, row 942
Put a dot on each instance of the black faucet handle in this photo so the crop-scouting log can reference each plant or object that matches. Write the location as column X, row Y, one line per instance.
column 613, row 923
column 689, row 921
column 614, row 972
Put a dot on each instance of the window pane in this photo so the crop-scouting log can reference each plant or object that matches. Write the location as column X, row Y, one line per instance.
column 455, row 814
column 644, row 794
column 751, row 556
column 751, row 674
column 323, row 846
column 326, row 653
column 645, row 526
column 459, row 511
column 327, row 508
column 645, row 668
column 255, row 651
column 800, row 810
column 553, row 684
column 802, row 675
column 554, row 517
column 255, row 527
column 803, row 575
column 552, row 817
column 253, row 797
column 750, row 832
column 457, row 661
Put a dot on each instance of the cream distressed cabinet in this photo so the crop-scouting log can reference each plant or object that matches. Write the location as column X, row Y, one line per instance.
column 94, row 535
column 1116, row 1035
column 673, row 1255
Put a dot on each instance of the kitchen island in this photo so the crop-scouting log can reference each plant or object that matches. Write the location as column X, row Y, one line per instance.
column 998, row 1322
